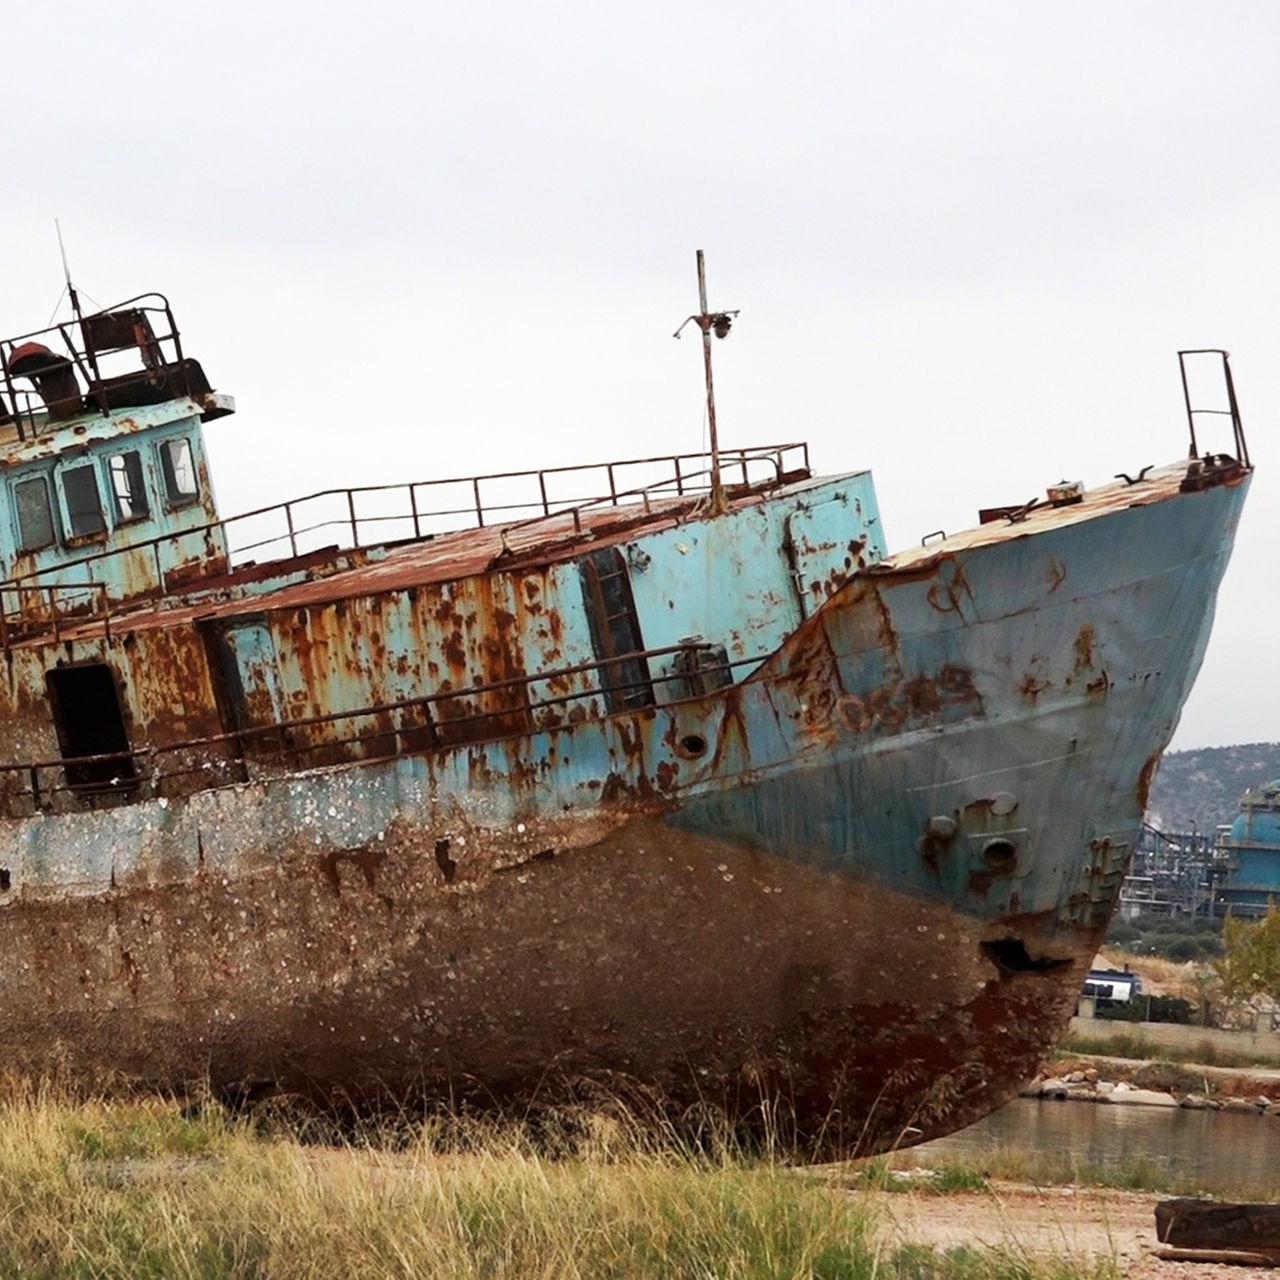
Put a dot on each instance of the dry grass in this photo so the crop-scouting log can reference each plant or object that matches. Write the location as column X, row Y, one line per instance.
column 139, row 1188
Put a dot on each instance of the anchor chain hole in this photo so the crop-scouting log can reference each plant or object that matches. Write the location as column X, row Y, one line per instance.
column 1000, row 855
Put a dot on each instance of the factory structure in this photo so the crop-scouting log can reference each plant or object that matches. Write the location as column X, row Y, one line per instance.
column 1235, row 868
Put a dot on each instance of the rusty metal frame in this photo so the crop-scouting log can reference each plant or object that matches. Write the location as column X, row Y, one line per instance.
column 21, row 623
column 1232, row 410
column 20, row 401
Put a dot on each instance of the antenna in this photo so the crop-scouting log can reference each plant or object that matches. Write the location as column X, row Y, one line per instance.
column 66, row 270
column 719, row 323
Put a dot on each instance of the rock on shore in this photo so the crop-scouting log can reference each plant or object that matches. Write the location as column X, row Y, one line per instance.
column 1087, row 1086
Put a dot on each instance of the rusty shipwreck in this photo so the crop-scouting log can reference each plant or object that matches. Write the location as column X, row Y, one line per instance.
column 658, row 776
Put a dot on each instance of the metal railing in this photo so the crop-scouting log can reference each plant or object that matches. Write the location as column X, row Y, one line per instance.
column 334, row 520
column 224, row 758
column 527, row 497
column 78, row 358
column 24, row 620
column 1231, row 409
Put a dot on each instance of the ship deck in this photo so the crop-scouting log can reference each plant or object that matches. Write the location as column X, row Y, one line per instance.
column 1156, row 484
column 336, row 573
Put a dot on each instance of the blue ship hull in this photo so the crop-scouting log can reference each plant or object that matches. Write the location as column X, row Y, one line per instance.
column 711, row 806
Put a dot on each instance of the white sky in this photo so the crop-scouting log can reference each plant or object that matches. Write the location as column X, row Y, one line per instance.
column 418, row 240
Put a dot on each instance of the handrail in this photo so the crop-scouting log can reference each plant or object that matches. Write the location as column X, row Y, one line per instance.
column 156, row 351
column 283, row 731
column 1232, row 410
column 21, row 621
column 677, row 480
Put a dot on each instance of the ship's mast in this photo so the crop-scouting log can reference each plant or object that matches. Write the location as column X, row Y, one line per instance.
column 66, row 271
column 719, row 323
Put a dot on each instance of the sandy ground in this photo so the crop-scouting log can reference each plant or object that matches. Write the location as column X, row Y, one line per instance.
column 1060, row 1222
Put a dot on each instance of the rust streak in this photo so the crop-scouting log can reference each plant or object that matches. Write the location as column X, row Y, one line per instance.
column 1084, row 648
column 1146, row 778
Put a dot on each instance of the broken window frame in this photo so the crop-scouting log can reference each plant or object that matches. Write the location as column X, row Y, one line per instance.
column 128, row 486
column 178, row 470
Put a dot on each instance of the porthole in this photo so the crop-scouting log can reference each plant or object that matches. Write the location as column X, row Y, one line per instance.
column 691, row 746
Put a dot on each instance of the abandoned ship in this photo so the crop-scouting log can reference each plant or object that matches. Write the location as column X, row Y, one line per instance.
column 653, row 776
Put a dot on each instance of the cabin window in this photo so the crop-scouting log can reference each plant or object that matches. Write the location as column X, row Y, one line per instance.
column 35, row 513
column 179, row 471
column 128, row 489
column 84, row 505
column 90, row 722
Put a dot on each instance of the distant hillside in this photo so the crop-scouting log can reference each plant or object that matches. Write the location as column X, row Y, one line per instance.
column 1203, row 788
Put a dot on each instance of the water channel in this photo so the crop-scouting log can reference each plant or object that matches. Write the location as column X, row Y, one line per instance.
column 1222, row 1153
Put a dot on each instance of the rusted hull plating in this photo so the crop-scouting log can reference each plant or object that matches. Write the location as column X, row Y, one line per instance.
column 685, row 969
column 859, row 889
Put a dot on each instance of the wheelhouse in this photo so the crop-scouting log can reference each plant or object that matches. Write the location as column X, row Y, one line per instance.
column 101, row 454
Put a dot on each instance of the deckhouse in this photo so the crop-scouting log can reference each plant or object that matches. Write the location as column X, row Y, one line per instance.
column 103, row 454
column 154, row 648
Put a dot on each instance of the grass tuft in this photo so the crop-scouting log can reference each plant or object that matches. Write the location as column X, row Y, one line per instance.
column 919, row 1262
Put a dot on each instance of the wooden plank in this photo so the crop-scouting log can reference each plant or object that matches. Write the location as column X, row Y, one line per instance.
column 1233, row 1256
column 1214, row 1225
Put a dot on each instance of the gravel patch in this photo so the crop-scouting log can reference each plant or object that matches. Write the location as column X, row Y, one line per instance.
column 1053, row 1222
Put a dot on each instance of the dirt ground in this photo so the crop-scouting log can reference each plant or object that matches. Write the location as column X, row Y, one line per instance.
column 1061, row 1222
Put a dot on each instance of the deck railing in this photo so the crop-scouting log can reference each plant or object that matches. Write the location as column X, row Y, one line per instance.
column 53, row 607
column 378, row 514
column 85, row 364
column 372, row 516
column 400, row 728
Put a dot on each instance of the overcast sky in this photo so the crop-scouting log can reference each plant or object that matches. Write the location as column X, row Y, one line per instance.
column 417, row 240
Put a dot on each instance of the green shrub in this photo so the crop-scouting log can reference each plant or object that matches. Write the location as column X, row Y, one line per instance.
column 1167, row 1077
column 1151, row 1009
column 951, row 1178
column 1176, row 939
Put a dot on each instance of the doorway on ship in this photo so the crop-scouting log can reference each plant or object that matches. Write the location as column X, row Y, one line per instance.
column 89, row 721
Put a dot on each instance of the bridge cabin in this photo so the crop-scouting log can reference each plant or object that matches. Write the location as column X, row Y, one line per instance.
column 105, row 481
